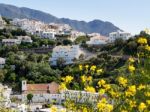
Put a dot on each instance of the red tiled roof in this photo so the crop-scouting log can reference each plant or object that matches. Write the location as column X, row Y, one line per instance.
column 51, row 88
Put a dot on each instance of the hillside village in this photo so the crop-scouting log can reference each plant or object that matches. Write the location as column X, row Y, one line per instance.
column 35, row 57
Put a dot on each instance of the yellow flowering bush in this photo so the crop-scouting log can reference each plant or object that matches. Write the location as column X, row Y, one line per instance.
column 142, row 107
column 122, row 81
column 131, row 68
column 104, row 106
column 67, row 79
column 131, row 91
column 101, row 83
column 128, row 92
column 142, row 40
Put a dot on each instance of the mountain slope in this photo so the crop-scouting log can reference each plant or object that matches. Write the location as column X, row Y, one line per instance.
column 97, row 26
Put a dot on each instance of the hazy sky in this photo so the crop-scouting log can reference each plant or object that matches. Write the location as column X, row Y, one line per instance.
column 129, row 15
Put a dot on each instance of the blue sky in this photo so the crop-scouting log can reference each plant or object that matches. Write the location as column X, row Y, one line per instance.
column 130, row 15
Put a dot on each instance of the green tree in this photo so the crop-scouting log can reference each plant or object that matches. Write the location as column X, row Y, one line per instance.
column 61, row 62
column 29, row 97
column 67, row 42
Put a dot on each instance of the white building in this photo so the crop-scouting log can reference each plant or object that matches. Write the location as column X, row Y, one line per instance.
column 68, row 53
column 2, row 63
column 119, row 34
column 5, row 95
column 10, row 42
column 41, row 92
column 26, row 39
column 47, row 34
column 2, row 22
column 97, row 40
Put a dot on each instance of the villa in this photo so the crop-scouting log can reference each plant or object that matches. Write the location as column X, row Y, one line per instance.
column 25, row 39
column 119, row 34
column 68, row 53
column 10, row 42
column 97, row 40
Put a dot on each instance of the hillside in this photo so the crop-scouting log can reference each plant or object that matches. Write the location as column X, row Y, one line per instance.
column 97, row 26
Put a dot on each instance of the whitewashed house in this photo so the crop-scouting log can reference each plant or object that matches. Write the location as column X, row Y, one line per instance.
column 26, row 39
column 97, row 40
column 48, row 35
column 119, row 34
column 10, row 42
column 68, row 53
column 2, row 62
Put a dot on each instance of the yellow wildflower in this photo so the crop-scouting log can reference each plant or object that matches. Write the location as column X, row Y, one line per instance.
column 147, row 47
column 101, row 82
column 109, row 108
column 122, row 81
column 80, row 67
column 103, row 106
column 89, row 78
column 114, row 94
column 67, row 79
column 83, row 79
column 93, row 68
column 142, row 107
column 86, row 66
column 85, row 109
column 131, row 68
column 107, row 86
column 148, row 102
column 102, row 91
column 131, row 60
column 53, row 109
column 62, row 87
column 132, row 103
column 89, row 89
column 131, row 91
column 99, row 71
column 142, row 40
column 141, row 87
column 147, row 94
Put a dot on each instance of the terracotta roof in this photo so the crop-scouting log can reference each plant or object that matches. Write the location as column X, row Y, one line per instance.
column 51, row 88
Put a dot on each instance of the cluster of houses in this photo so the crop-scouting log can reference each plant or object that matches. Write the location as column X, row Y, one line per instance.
column 49, row 31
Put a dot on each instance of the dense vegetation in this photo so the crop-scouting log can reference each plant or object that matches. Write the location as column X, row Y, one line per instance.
column 36, row 69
